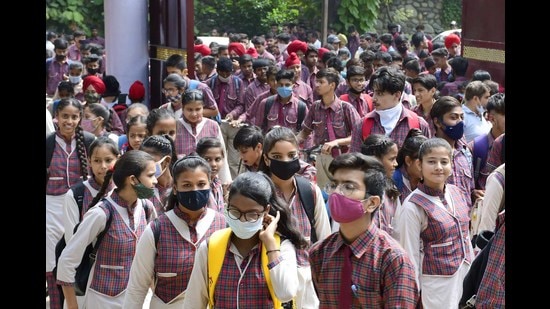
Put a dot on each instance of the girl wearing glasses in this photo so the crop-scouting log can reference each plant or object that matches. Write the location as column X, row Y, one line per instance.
column 164, row 262
column 173, row 88
column 254, row 215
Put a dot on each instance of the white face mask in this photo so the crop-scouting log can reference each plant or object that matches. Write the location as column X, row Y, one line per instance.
column 224, row 79
column 243, row 230
column 75, row 79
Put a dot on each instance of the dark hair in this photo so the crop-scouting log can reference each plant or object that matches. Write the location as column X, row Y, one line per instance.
column 331, row 75
column 459, row 65
column 79, row 135
column 160, row 145
column 377, row 145
column 133, row 162
column 375, row 178
column 112, row 86
column 285, row 74
column 260, row 188
column 429, row 62
column 276, row 134
column 481, row 75
column 224, row 64
column 175, row 78
column 248, row 136
column 496, row 103
column 388, row 78
column 206, row 143
column 432, row 143
column 66, row 86
column 100, row 110
column 334, row 63
column 158, row 114
column 209, row 61
column 442, row 106
column 355, row 70
column 176, row 61
column 193, row 95
column 187, row 163
column 410, row 146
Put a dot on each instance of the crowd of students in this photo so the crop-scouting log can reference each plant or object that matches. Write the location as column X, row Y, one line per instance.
column 208, row 200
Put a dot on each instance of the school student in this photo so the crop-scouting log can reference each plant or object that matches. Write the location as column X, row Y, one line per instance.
column 360, row 266
column 280, row 161
column 251, row 264
column 127, row 211
column 161, row 147
column 407, row 174
column 136, row 129
column 434, row 228
column 66, row 165
column 162, row 121
column 166, row 251
column 211, row 149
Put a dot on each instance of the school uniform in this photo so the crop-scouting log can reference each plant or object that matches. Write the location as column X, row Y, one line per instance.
column 382, row 273
column 187, row 138
column 285, row 115
column 216, row 200
column 177, row 113
column 111, row 270
column 160, row 198
column 384, row 216
column 306, row 297
column 463, row 170
column 303, row 91
column 70, row 208
column 434, row 230
column 241, row 283
column 167, row 265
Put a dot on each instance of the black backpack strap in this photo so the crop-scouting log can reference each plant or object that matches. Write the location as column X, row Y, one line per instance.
column 107, row 226
column 50, row 146
column 268, row 104
column 307, row 200
column 78, row 193
column 155, row 227
column 301, row 114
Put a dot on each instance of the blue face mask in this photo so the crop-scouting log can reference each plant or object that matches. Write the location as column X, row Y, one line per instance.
column 284, row 92
column 193, row 200
column 454, row 132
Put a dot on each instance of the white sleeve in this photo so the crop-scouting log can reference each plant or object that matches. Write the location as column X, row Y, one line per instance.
column 224, row 174
column 491, row 203
column 322, row 223
column 284, row 275
column 71, row 215
column 49, row 122
column 412, row 221
column 196, row 295
column 142, row 270
column 92, row 224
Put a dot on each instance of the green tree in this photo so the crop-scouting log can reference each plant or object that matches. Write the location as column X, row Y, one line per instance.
column 60, row 14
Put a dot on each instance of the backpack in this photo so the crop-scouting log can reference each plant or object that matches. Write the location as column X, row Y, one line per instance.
column 301, row 112
column 307, row 199
column 480, row 151
column 120, row 107
column 50, row 146
column 217, row 247
column 366, row 97
column 368, row 123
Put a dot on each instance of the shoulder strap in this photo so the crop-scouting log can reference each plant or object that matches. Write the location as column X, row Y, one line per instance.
column 412, row 119
column 217, row 246
column 148, row 209
column 307, row 200
column 480, row 151
column 301, row 114
column 345, row 97
column 102, row 234
column 156, row 230
column 268, row 104
column 368, row 98
column 398, row 179
column 50, row 145
column 78, row 193
column 368, row 123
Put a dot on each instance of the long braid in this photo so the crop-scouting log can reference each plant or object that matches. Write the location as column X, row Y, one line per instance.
column 101, row 193
column 81, row 151
column 107, row 122
column 174, row 153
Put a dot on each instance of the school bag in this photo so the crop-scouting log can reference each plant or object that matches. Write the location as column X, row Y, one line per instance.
column 120, row 107
column 307, row 199
column 217, row 247
column 366, row 97
column 50, row 145
column 301, row 112
column 237, row 81
column 368, row 123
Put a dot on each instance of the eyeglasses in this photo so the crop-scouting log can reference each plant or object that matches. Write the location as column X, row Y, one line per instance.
column 357, row 80
column 251, row 217
column 169, row 91
column 346, row 188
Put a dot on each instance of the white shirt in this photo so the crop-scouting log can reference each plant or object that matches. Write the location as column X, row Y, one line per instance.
column 494, row 193
column 284, row 276
column 474, row 124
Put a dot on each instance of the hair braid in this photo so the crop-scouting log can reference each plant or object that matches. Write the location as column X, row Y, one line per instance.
column 101, row 193
column 81, row 151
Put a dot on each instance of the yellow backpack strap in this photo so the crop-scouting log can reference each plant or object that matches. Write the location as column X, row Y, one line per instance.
column 217, row 246
column 265, row 269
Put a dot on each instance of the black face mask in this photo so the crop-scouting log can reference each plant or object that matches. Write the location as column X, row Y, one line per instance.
column 284, row 169
column 352, row 90
column 60, row 57
column 91, row 71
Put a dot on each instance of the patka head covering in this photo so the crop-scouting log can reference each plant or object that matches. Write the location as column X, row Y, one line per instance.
column 95, row 81
column 237, row 47
column 292, row 60
column 136, row 91
column 202, row 49
column 252, row 52
column 451, row 39
column 295, row 46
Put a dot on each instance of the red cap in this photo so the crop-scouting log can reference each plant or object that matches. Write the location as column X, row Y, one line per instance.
column 451, row 39
column 295, row 46
column 292, row 60
column 95, row 81
column 321, row 52
column 136, row 91
column 237, row 47
column 252, row 52
column 202, row 49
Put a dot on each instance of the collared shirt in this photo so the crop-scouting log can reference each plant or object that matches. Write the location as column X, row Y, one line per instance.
column 303, row 91
column 285, row 115
column 73, row 53
column 382, row 273
column 474, row 124
column 494, row 158
column 344, row 117
column 229, row 97
column 463, row 170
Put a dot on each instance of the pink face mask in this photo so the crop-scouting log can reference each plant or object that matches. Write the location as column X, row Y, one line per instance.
column 343, row 209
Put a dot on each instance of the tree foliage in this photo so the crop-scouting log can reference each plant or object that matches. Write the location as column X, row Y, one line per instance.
column 360, row 13
column 60, row 14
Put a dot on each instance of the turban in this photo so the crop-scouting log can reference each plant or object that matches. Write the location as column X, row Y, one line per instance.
column 95, row 81
column 295, row 46
column 202, row 49
column 292, row 60
column 252, row 52
column 450, row 39
column 237, row 47
column 321, row 52
column 342, row 37
column 136, row 91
